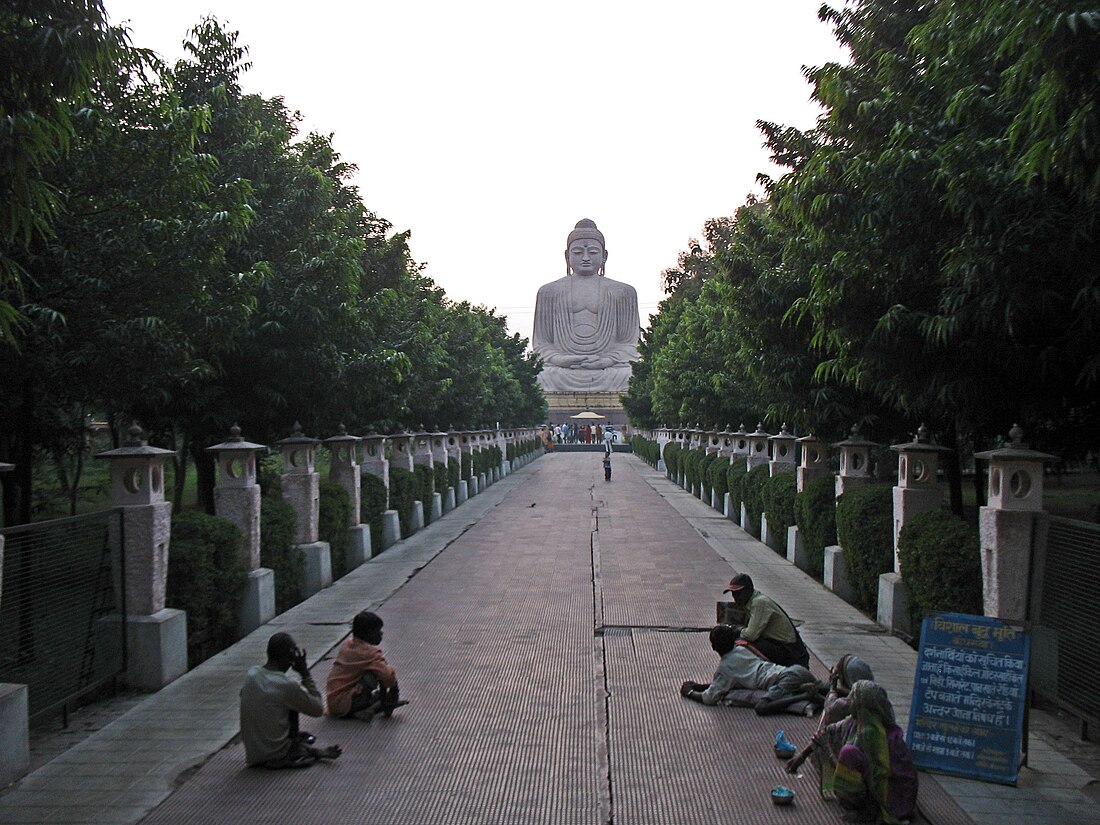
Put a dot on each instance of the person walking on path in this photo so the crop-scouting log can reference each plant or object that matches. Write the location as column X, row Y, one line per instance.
column 361, row 681
column 741, row 668
column 270, row 703
column 767, row 626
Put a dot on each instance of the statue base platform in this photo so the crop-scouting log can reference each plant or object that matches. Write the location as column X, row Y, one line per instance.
column 563, row 405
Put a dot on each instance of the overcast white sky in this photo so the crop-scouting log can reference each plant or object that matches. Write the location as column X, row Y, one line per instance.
column 490, row 128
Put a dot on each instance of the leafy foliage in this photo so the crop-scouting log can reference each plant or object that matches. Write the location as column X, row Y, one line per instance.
column 779, row 494
column 941, row 564
column 373, row 495
column 403, row 490
column 864, row 528
column 333, row 520
column 815, row 515
column 206, row 578
column 279, row 553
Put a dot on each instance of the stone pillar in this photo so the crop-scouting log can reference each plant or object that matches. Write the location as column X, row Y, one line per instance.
column 453, row 444
column 812, row 464
column 156, row 636
column 237, row 498
column 423, row 457
column 739, row 449
column 758, row 447
column 855, row 462
column 375, row 463
column 344, row 470
column 782, row 452
column 663, row 437
column 301, row 490
column 1006, row 525
column 916, row 492
column 503, row 438
column 467, row 444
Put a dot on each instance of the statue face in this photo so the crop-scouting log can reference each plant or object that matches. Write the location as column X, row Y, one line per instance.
column 585, row 256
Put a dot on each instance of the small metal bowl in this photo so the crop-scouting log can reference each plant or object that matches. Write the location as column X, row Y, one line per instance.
column 782, row 795
column 784, row 753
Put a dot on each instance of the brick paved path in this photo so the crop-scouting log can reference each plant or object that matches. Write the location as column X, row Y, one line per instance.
column 542, row 652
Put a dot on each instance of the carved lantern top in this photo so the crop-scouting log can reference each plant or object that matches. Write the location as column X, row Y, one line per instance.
column 782, row 446
column 918, row 460
column 237, row 459
column 1015, row 474
column 299, row 452
column 137, row 470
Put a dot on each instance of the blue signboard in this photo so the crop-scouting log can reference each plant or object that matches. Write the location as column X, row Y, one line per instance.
column 969, row 691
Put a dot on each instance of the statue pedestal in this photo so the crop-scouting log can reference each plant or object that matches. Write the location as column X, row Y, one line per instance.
column 563, row 405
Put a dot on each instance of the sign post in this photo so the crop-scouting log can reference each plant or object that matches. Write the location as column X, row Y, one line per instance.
column 969, row 697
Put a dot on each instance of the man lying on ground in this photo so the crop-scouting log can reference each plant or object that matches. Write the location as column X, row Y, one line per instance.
column 741, row 668
column 270, row 703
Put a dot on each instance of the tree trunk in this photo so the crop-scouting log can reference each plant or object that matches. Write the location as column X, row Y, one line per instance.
column 205, row 476
column 179, row 465
column 952, row 468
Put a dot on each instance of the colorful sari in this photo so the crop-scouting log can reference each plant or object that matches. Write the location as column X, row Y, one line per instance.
column 864, row 761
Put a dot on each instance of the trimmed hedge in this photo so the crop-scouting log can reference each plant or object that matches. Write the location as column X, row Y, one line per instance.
column 779, row 493
column 454, row 474
column 717, row 474
column 442, row 478
column 752, row 494
column 941, row 564
column 467, row 464
column 693, row 462
column 735, row 476
column 206, row 577
column 704, row 474
column 672, row 460
column 333, row 516
column 864, row 528
column 815, row 515
column 402, row 496
column 278, row 551
column 649, row 450
column 373, row 496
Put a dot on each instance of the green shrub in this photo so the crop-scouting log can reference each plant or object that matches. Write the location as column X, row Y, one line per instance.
column 815, row 515
column 206, row 577
column 865, row 529
column 441, row 477
column 333, row 519
column 424, row 486
column 481, row 461
column 752, row 494
column 672, row 460
column 693, row 461
column 941, row 564
column 279, row 552
column 467, row 465
column 510, row 451
column 402, row 496
column 717, row 474
column 735, row 475
column 779, row 493
column 372, row 491
column 704, row 474
column 454, row 473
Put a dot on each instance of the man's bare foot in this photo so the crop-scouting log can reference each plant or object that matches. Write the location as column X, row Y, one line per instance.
column 329, row 753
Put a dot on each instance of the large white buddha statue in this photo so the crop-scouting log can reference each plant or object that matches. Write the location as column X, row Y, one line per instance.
column 586, row 324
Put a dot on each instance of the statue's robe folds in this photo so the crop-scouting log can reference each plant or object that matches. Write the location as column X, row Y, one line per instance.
column 565, row 329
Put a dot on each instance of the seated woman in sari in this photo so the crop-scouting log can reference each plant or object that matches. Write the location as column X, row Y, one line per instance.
column 864, row 762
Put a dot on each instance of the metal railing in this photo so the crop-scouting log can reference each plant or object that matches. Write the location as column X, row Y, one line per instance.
column 1064, row 614
column 62, row 608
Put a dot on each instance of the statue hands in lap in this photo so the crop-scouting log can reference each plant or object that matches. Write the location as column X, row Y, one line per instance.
column 586, row 324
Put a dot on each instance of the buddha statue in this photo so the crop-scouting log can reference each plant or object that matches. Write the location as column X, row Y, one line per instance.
column 586, row 324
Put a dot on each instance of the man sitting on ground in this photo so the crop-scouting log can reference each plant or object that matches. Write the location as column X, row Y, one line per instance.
column 270, row 703
column 767, row 625
column 741, row 668
column 361, row 681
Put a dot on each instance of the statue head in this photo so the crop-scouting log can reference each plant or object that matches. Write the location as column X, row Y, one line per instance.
column 585, row 251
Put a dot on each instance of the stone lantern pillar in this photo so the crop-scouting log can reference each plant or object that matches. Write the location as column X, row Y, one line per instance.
column 855, row 471
column 484, row 479
column 855, row 462
column 375, row 463
column 301, row 490
column 814, row 460
column 502, row 439
column 404, row 448
column 467, row 444
column 1007, row 525
column 758, row 447
column 424, row 456
column 740, row 450
column 663, row 437
column 344, row 470
column 237, row 498
column 782, row 452
column 156, row 636
column 453, row 444
column 713, row 441
column 441, row 455
column 916, row 492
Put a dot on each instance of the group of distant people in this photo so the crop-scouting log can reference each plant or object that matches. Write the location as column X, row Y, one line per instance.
column 360, row 685
column 858, row 749
column 572, row 433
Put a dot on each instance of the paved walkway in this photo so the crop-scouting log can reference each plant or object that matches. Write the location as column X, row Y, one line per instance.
column 540, row 631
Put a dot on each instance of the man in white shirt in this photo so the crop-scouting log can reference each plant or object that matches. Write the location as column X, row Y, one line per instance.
column 270, row 703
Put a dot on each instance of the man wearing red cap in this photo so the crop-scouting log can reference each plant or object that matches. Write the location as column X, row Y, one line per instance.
column 767, row 625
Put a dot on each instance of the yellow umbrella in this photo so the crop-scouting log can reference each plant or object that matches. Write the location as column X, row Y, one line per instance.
column 588, row 416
